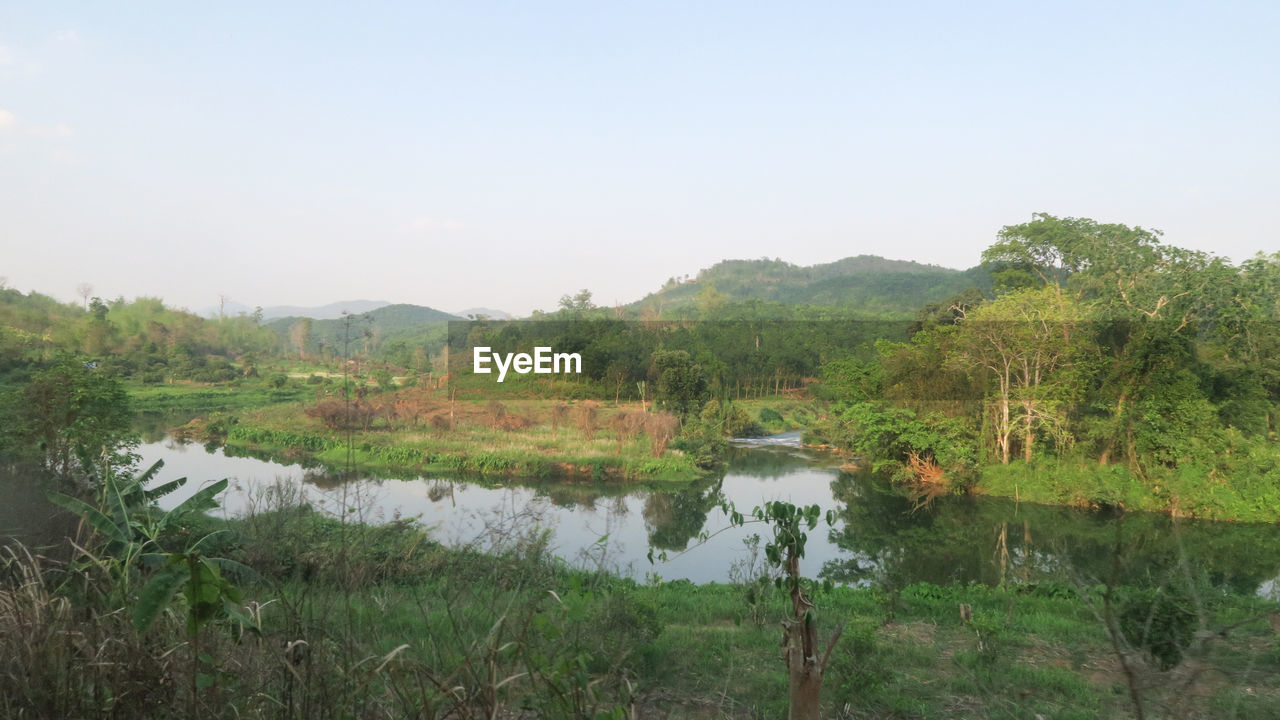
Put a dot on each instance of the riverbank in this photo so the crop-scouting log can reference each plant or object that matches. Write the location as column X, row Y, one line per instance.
column 1248, row 495
column 415, row 431
column 355, row 620
column 421, row 431
column 1238, row 482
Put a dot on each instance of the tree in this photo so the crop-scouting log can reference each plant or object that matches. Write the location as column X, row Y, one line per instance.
column 805, row 668
column 1147, row 300
column 84, row 290
column 99, row 336
column 682, row 385
column 616, row 375
column 74, row 405
column 1024, row 342
column 300, row 335
column 710, row 300
column 791, row 525
column 1089, row 254
column 580, row 302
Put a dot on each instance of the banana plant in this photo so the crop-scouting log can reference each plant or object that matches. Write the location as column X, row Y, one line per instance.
column 209, row 595
column 132, row 526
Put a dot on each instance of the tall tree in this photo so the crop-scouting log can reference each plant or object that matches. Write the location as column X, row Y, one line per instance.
column 73, row 405
column 84, row 290
column 1145, row 298
column 1024, row 343
column 300, row 335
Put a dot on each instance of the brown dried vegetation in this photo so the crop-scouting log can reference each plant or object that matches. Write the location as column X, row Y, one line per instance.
column 661, row 427
column 626, row 425
column 340, row 415
column 587, row 417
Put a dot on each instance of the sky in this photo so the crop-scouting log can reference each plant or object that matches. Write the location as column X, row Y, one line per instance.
column 504, row 154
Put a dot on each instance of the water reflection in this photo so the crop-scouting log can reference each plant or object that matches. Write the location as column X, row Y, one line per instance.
column 877, row 537
column 674, row 518
column 990, row 541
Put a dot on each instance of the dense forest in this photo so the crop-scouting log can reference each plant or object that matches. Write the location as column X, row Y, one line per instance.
column 1144, row 374
column 867, row 285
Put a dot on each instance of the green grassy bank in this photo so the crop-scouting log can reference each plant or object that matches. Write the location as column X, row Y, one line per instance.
column 341, row 620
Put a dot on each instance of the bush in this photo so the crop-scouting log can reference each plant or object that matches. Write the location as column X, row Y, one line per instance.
column 859, row 667
column 285, row 539
column 704, row 443
column 1161, row 621
column 737, row 423
column 587, row 418
column 339, row 415
column 220, row 424
column 626, row 425
column 660, row 427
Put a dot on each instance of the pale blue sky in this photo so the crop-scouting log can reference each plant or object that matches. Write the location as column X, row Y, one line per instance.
column 503, row 154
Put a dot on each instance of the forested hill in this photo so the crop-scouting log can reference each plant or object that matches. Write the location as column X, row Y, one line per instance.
column 386, row 319
column 332, row 311
column 866, row 283
column 410, row 325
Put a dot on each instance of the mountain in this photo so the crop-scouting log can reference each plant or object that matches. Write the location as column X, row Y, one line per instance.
column 865, row 283
column 408, row 325
column 332, row 311
column 487, row 312
column 231, row 309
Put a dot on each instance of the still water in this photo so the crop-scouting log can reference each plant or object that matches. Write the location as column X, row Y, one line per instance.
column 878, row 537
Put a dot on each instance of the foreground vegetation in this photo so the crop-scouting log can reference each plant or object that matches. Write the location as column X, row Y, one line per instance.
column 344, row 620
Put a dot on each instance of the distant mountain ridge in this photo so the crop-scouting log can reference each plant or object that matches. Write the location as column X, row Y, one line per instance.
column 332, row 311
column 866, row 283
column 407, row 324
column 862, row 283
column 487, row 312
column 387, row 318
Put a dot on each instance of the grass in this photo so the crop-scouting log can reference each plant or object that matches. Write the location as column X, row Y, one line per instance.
column 470, row 446
column 462, row 436
column 779, row 413
column 392, row 624
column 199, row 398
column 1253, row 495
column 255, row 418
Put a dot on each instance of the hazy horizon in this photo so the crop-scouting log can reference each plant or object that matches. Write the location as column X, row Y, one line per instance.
column 489, row 155
column 235, row 305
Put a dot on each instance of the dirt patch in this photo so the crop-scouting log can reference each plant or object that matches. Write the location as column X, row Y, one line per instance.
column 916, row 632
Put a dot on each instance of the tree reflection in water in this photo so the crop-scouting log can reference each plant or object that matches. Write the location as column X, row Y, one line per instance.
column 993, row 541
column 673, row 519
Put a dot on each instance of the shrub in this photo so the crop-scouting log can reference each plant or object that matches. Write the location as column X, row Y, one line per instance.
column 660, row 427
column 440, row 422
column 587, row 418
column 559, row 416
column 627, row 425
column 339, row 415
column 1160, row 620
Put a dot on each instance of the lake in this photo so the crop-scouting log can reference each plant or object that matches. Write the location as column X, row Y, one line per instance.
column 878, row 537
